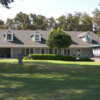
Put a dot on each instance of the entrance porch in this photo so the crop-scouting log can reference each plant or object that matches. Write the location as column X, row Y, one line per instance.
column 5, row 53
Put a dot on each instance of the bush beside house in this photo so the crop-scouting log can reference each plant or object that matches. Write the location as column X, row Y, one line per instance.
column 55, row 57
column 50, row 57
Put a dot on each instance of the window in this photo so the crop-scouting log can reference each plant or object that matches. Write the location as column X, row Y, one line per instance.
column 65, row 52
column 89, row 38
column 68, row 52
column 42, row 51
column 23, row 51
column 27, row 51
column 37, row 37
column 55, row 51
column 78, row 52
column 31, row 51
column 50, row 51
column 9, row 37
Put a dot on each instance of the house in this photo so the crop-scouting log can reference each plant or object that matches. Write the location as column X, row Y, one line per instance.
column 13, row 42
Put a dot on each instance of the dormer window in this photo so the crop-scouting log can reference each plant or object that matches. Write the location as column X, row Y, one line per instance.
column 86, row 36
column 36, row 36
column 9, row 36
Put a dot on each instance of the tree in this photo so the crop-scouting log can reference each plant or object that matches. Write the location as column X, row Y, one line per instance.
column 51, row 22
column 6, row 3
column 9, row 23
column 23, row 19
column 62, row 22
column 58, row 39
column 38, row 22
column 41, row 22
column 85, row 22
column 76, row 21
column 96, row 20
column 2, row 26
column 1, row 22
column 71, row 22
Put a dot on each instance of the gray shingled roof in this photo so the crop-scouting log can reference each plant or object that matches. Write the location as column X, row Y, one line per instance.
column 22, row 38
column 83, row 34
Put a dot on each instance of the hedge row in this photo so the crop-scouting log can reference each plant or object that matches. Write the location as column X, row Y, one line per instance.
column 51, row 57
column 85, row 59
column 55, row 57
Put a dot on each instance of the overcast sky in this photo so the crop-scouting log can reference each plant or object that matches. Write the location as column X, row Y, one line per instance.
column 48, row 8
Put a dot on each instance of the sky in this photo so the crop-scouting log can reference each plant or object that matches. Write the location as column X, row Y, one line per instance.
column 48, row 8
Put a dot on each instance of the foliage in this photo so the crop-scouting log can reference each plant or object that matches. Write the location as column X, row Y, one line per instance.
column 85, row 59
column 23, row 20
column 51, row 23
column 70, row 22
column 2, row 27
column 96, row 17
column 52, row 57
column 58, row 39
column 25, row 58
column 6, row 3
column 86, row 22
column 96, row 21
column 62, row 22
column 1, row 22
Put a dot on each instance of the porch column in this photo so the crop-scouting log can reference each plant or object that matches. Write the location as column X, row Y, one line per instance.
column 11, row 52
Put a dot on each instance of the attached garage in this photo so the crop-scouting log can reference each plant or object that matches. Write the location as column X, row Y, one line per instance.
column 5, row 52
column 96, row 50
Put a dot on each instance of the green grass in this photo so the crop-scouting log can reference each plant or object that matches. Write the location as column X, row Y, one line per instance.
column 49, row 80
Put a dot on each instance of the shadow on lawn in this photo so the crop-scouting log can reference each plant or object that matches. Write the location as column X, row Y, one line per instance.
column 43, row 82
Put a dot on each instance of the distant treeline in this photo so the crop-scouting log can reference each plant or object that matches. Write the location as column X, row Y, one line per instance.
column 70, row 22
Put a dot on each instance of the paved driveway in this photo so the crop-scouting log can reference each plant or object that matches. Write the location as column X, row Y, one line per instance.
column 96, row 59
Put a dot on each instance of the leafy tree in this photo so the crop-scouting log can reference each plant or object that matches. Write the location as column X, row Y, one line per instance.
column 62, row 22
column 96, row 16
column 41, row 22
column 6, row 3
column 86, row 22
column 2, row 26
column 58, row 39
column 23, row 19
column 51, row 23
column 38, row 22
column 33, row 19
column 9, row 23
column 70, row 24
column 1, row 22
column 96, row 20
column 76, row 21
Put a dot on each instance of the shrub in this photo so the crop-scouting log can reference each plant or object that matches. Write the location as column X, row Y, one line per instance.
column 25, row 58
column 52, row 57
column 85, row 59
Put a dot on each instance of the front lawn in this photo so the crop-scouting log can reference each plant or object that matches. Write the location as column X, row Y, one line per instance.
column 49, row 80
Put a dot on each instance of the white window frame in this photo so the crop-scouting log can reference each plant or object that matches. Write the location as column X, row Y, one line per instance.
column 34, row 37
column 12, row 37
column 89, row 36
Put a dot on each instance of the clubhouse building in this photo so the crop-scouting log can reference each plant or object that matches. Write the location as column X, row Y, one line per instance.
column 13, row 42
